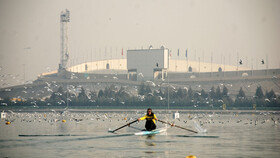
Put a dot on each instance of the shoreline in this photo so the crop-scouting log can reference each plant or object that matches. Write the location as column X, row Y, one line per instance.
column 142, row 109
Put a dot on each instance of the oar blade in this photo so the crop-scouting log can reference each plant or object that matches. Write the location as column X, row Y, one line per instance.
column 110, row 130
column 177, row 126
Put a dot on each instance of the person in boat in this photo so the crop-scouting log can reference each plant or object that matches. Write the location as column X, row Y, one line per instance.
column 150, row 120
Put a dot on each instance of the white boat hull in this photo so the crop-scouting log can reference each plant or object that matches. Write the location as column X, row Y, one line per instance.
column 153, row 132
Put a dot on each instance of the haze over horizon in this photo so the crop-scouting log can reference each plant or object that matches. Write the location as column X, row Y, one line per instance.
column 30, row 31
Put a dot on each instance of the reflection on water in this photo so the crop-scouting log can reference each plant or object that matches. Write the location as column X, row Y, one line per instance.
column 149, row 141
column 150, row 137
column 85, row 135
column 150, row 146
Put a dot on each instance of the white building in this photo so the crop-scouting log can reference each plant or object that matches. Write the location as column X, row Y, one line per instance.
column 146, row 63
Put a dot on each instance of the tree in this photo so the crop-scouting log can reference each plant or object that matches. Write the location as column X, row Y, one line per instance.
column 148, row 89
column 225, row 91
column 218, row 93
column 100, row 93
column 165, row 92
column 141, row 90
column 106, row 92
column 212, row 92
column 259, row 92
column 158, row 93
column 204, row 95
column 59, row 95
column 270, row 94
column 241, row 93
column 243, row 102
column 122, row 93
column 190, row 93
column 197, row 95
column 112, row 91
column 82, row 97
column 93, row 95
column 180, row 93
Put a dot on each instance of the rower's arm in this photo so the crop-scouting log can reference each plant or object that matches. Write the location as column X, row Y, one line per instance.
column 142, row 118
column 155, row 117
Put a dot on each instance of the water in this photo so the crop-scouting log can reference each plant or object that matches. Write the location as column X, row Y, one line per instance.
column 85, row 134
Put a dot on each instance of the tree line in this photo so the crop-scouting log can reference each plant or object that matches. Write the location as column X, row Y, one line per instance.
column 162, row 97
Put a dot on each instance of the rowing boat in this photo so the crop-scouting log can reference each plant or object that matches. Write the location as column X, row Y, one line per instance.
column 153, row 132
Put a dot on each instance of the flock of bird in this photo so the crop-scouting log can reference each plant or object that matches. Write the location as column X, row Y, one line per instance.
column 49, row 87
column 122, row 117
column 54, row 117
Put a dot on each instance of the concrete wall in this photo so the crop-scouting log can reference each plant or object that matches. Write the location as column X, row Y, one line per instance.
column 271, row 73
column 144, row 61
column 174, row 66
column 117, row 64
column 179, row 69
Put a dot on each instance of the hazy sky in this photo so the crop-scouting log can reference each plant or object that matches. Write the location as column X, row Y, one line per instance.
column 249, row 28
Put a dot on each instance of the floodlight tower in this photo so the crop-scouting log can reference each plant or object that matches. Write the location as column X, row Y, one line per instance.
column 64, row 54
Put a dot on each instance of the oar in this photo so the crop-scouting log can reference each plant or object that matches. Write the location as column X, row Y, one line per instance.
column 136, row 128
column 177, row 126
column 123, row 126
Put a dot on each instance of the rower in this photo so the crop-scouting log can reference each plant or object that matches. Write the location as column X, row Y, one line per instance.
column 150, row 120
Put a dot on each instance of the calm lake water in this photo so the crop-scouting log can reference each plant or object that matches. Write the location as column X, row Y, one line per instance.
column 85, row 134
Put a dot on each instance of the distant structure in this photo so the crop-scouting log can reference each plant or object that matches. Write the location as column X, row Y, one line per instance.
column 147, row 64
column 64, row 54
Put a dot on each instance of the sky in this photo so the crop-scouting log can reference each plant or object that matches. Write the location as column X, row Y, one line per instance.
column 228, row 30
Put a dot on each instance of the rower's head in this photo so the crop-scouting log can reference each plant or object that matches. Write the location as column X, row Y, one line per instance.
column 149, row 111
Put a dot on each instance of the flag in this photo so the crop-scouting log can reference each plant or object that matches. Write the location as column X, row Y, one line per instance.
column 178, row 52
column 122, row 51
column 186, row 52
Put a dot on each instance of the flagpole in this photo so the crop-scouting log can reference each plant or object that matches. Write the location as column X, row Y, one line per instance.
column 266, row 63
column 177, row 58
column 211, row 62
column 187, row 59
column 237, row 63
